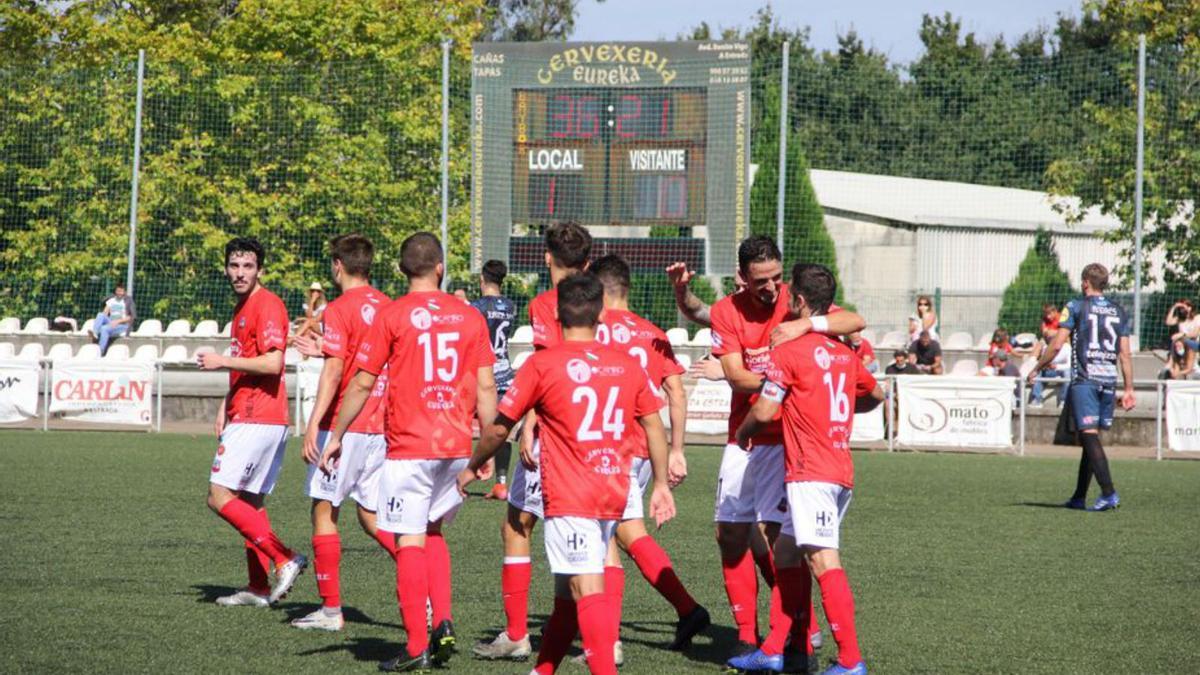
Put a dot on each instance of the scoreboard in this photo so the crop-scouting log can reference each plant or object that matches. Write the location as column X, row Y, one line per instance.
column 619, row 137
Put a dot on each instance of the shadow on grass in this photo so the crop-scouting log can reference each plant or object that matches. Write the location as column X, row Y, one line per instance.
column 295, row 610
column 361, row 648
column 208, row 593
column 1045, row 505
column 713, row 645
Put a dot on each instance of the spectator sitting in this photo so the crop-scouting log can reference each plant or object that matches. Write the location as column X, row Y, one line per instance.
column 865, row 351
column 900, row 364
column 314, row 310
column 1181, row 362
column 115, row 320
column 1187, row 324
column 1060, row 367
column 1000, row 344
column 1049, row 321
column 924, row 320
column 1005, row 367
column 926, row 354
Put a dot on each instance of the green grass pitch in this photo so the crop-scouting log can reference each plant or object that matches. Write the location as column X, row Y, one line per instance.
column 109, row 561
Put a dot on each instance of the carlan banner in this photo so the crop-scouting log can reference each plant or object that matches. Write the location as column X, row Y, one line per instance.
column 103, row 391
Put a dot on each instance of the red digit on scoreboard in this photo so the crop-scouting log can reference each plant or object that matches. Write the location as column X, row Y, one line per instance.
column 629, row 116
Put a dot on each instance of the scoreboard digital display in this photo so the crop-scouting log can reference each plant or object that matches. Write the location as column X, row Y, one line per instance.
column 619, row 137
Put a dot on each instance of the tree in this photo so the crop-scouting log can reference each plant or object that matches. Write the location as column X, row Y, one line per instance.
column 531, row 20
column 1040, row 279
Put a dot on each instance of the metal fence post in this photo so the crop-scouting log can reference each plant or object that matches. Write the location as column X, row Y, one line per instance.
column 1021, row 402
column 446, row 157
column 783, row 139
column 890, row 406
column 47, row 374
column 1159, row 386
column 299, row 400
column 1137, row 194
column 137, row 162
column 158, row 368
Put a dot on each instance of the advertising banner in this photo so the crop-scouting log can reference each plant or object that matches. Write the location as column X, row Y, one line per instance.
column 1183, row 416
column 18, row 390
column 967, row 412
column 868, row 426
column 708, row 407
column 106, row 392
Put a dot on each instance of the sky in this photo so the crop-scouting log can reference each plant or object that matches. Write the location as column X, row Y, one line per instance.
column 889, row 26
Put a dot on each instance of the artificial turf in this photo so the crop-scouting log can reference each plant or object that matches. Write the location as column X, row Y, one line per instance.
column 109, row 562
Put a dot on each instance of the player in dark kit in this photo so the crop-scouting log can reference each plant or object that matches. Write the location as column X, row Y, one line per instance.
column 501, row 316
column 1098, row 330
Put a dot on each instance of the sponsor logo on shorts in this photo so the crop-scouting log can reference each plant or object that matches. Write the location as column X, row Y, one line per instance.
column 395, row 507
column 216, row 467
column 825, row 522
column 579, row 371
column 249, row 469
column 577, row 548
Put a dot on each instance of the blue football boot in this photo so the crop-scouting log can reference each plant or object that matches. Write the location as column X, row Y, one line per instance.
column 1075, row 504
column 859, row 668
column 1107, row 503
column 756, row 661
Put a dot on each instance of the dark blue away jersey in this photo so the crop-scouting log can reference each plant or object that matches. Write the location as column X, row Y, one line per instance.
column 1097, row 326
column 501, row 316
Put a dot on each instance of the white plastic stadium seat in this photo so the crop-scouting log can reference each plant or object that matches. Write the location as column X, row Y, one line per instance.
column 225, row 332
column 146, row 353
column 1024, row 341
column 7, row 349
column 702, row 338
column 178, row 328
column 31, row 351
column 678, row 337
column 958, row 342
column 203, row 349
column 522, row 336
column 88, row 352
column 684, row 360
column 893, row 339
column 206, row 329
column 36, row 326
column 149, row 328
column 117, row 352
column 965, row 367
column 175, row 354
column 985, row 342
column 10, row 325
column 60, row 351
column 86, row 327
column 520, row 360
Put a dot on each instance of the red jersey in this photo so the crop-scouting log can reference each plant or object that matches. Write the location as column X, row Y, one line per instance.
column 433, row 345
column 630, row 333
column 543, row 317
column 864, row 349
column 741, row 325
column 818, row 380
column 346, row 322
column 260, row 324
column 587, row 396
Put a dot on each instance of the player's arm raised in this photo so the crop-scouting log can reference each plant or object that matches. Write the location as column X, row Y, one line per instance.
column 692, row 307
column 843, row 322
column 677, row 411
column 327, row 386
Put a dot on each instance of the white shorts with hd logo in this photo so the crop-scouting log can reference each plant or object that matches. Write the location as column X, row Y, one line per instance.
column 817, row 513
column 750, row 485
column 357, row 473
column 249, row 457
column 525, row 488
column 416, row 492
column 639, row 477
column 577, row 545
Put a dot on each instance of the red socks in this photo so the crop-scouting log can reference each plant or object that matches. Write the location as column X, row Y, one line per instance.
column 254, row 526
column 741, row 585
column 614, row 588
column 655, row 566
column 514, row 584
column 560, row 631
column 596, row 627
column 412, row 590
column 327, row 558
column 258, row 567
column 437, row 560
column 839, row 610
column 387, row 540
column 794, row 590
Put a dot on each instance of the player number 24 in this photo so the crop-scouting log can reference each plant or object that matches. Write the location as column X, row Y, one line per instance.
column 612, row 422
column 445, row 352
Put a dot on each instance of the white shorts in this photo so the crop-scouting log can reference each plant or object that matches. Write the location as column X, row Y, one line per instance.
column 525, row 485
column 817, row 513
column 750, row 486
column 416, row 492
column 577, row 545
column 639, row 477
column 249, row 457
column 357, row 473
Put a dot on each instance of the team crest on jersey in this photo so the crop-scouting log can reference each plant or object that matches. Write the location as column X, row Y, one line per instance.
column 579, row 371
column 368, row 314
column 821, row 356
column 421, row 318
column 620, row 333
column 242, row 322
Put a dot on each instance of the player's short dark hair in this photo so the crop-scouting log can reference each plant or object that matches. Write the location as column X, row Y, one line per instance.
column 569, row 243
column 420, row 254
column 613, row 273
column 494, row 271
column 580, row 300
column 355, row 252
column 816, row 284
column 1096, row 275
column 757, row 249
column 246, row 245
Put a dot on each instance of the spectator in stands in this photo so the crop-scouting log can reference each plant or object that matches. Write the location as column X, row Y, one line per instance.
column 900, row 364
column 314, row 310
column 1000, row 343
column 925, row 320
column 925, row 354
column 1005, row 367
column 1181, row 362
column 1049, row 321
column 1179, row 312
column 865, row 351
column 1060, row 367
column 64, row 324
column 1187, row 325
column 115, row 319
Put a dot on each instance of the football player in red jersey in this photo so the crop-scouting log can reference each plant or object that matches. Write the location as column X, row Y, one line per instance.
column 252, row 426
column 585, row 395
column 346, row 321
column 750, row 487
column 568, row 246
column 819, row 383
column 641, row 339
column 439, row 362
